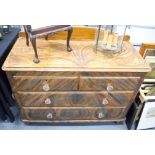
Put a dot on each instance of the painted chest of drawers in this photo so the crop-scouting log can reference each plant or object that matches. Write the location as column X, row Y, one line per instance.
column 80, row 86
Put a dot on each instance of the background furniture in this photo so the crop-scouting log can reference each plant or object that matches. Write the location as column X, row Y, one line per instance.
column 6, row 99
column 32, row 34
column 146, row 46
column 81, row 86
column 147, row 90
column 79, row 33
column 135, row 117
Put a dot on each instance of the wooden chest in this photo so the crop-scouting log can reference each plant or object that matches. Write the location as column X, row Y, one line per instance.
column 81, row 86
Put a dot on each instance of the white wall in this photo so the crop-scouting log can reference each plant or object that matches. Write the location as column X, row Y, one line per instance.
column 140, row 34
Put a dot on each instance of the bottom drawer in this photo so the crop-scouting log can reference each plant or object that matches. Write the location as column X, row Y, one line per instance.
column 71, row 114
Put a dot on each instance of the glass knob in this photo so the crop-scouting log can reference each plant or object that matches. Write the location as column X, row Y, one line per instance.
column 49, row 116
column 101, row 115
column 110, row 88
column 48, row 101
column 105, row 101
column 46, row 87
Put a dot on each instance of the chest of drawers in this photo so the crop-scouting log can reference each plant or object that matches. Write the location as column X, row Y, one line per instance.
column 81, row 86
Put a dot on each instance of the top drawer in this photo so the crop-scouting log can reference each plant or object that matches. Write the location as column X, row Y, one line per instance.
column 109, row 83
column 44, row 84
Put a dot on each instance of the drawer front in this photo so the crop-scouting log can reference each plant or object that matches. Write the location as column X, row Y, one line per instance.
column 109, row 83
column 74, row 99
column 44, row 84
column 112, row 74
column 43, row 73
column 60, row 114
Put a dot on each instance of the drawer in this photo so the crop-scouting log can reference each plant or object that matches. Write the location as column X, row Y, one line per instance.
column 62, row 114
column 109, row 83
column 73, row 99
column 44, row 84
column 112, row 74
column 42, row 73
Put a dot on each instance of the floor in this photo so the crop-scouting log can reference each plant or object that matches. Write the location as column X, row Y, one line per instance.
column 19, row 125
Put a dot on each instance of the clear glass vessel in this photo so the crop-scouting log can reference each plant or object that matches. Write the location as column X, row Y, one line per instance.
column 109, row 39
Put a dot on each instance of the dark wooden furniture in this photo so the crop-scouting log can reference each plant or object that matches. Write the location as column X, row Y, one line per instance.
column 81, row 86
column 6, row 99
column 32, row 34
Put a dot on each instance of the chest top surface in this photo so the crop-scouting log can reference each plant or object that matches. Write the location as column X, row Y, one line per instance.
column 54, row 57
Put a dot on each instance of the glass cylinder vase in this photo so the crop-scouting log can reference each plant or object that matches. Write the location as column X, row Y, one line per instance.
column 108, row 39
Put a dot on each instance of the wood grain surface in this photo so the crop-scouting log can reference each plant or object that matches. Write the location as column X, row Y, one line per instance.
column 74, row 99
column 71, row 113
column 37, row 84
column 53, row 57
column 118, row 83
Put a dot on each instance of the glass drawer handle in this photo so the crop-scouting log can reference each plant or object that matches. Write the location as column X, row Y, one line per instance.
column 110, row 88
column 101, row 115
column 46, row 87
column 48, row 101
column 49, row 116
column 105, row 101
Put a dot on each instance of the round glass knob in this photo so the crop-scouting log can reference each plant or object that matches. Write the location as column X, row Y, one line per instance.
column 101, row 115
column 46, row 87
column 110, row 88
column 48, row 101
column 105, row 101
column 49, row 116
